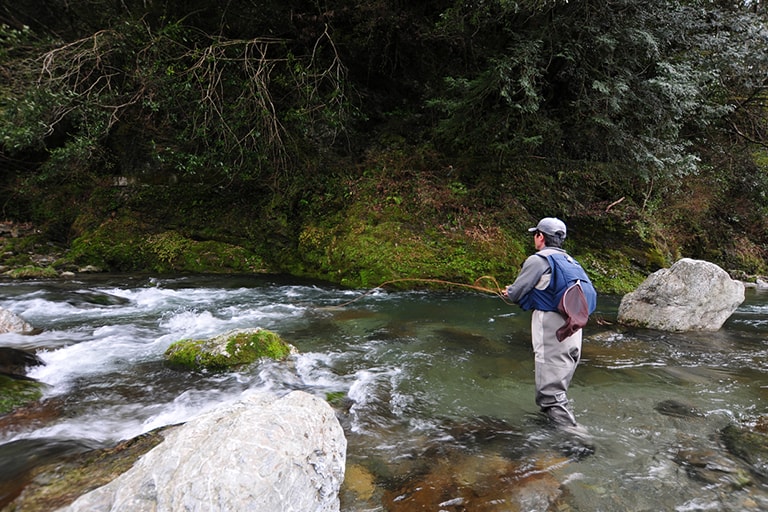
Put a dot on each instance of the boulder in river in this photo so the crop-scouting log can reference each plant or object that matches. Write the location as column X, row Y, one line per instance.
column 231, row 349
column 691, row 295
column 258, row 453
column 16, row 389
column 14, row 362
column 11, row 322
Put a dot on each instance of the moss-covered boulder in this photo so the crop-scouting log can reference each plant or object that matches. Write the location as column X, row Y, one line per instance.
column 16, row 392
column 231, row 349
column 16, row 389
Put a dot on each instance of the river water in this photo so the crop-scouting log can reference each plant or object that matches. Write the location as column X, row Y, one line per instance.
column 438, row 389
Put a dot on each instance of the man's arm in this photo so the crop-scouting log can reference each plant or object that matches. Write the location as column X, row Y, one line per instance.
column 529, row 275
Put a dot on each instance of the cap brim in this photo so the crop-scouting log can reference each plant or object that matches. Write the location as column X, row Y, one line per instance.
column 532, row 229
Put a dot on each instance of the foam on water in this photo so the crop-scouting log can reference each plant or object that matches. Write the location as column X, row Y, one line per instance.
column 103, row 349
column 186, row 406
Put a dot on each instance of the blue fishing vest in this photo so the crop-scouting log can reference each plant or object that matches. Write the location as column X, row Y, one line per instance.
column 565, row 272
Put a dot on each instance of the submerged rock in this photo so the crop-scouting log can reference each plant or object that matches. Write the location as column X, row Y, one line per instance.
column 20, row 458
column 481, row 484
column 259, row 453
column 228, row 350
column 690, row 295
column 677, row 409
column 749, row 445
column 359, row 482
column 711, row 467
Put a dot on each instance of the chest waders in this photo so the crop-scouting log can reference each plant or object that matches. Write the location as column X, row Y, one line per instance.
column 555, row 361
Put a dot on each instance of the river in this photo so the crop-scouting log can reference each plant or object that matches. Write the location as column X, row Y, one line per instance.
column 438, row 388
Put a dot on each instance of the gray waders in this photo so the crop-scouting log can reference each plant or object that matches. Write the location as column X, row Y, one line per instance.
column 556, row 363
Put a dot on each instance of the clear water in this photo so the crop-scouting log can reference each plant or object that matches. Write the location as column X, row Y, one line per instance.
column 437, row 383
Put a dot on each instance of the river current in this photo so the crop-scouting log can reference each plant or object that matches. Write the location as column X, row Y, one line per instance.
column 437, row 388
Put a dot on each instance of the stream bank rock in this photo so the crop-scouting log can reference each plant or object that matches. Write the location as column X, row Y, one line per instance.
column 691, row 295
column 258, row 453
column 231, row 349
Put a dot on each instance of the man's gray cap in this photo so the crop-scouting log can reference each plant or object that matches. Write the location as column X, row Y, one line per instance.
column 551, row 226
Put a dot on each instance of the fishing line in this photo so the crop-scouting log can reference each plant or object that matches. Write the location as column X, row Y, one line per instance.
column 477, row 286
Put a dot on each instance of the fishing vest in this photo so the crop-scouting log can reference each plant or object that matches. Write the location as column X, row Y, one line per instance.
column 565, row 272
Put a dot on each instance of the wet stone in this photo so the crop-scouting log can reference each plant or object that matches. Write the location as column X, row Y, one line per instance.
column 677, row 409
column 749, row 445
column 712, row 468
column 15, row 362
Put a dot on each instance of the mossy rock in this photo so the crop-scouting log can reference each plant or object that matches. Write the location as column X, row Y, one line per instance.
column 228, row 350
column 18, row 392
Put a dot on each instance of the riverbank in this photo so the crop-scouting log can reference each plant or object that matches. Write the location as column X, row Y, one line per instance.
column 389, row 229
column 364, row 230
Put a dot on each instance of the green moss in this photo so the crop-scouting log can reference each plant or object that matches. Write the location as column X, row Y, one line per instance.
column 15, row 393
column 128, row 245
column 113, row 245
column 335, row 398
column 32, row 272
column 364, row 255
column 410, row 230
column 228, row 350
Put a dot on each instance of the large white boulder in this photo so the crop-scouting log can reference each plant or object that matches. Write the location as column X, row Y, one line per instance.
column 691, row 295
column 259, row 453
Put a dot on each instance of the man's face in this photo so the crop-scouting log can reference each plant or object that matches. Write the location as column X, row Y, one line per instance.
column 538, row 241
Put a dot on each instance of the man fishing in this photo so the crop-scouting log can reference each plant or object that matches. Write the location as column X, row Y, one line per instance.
column 557, row 317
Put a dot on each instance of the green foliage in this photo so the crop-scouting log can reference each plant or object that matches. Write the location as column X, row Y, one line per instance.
column 615, row 82
column 226, row 108
column 168, row 247
column 612, row 272
column 11, row 38
column 428, row 232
